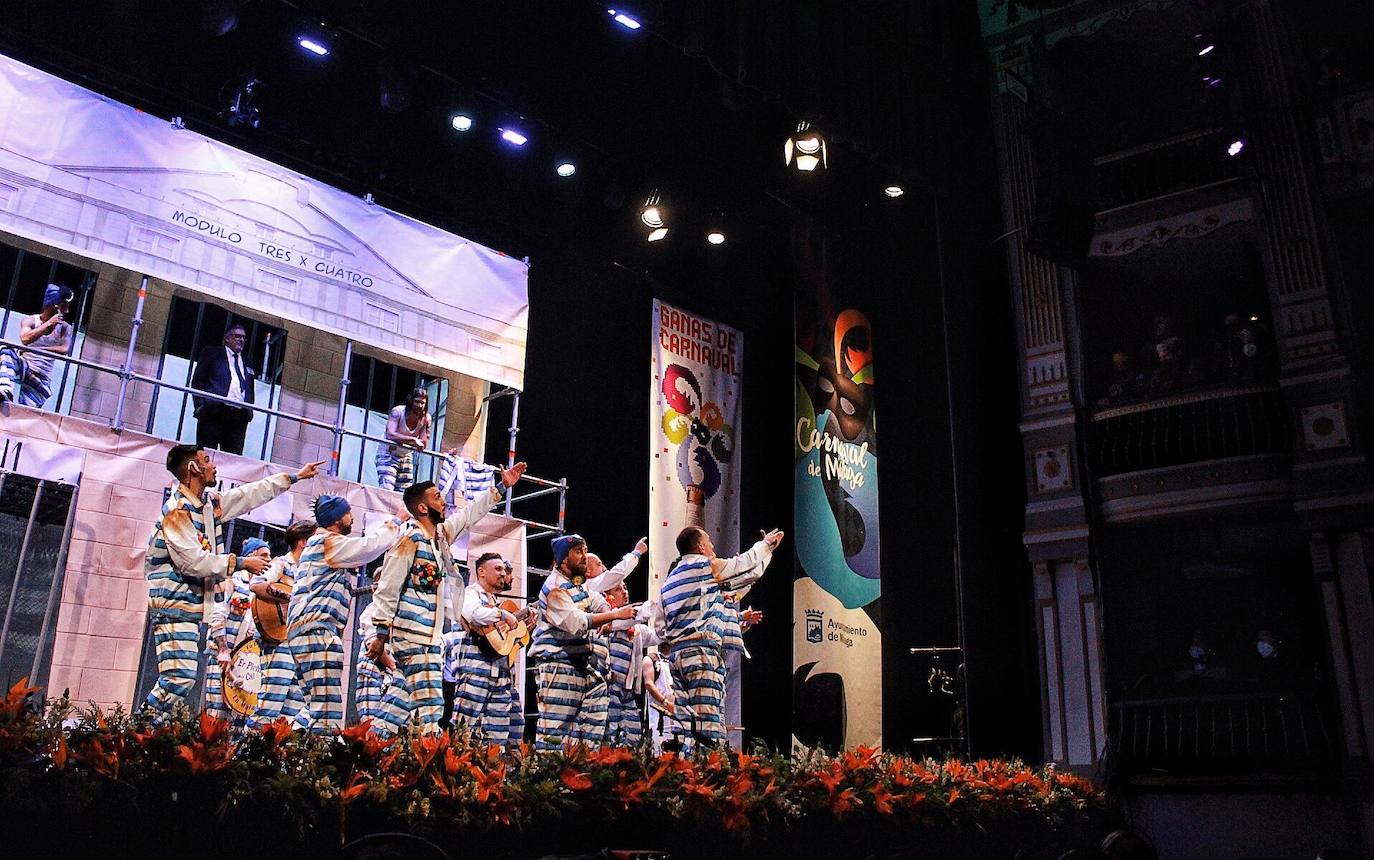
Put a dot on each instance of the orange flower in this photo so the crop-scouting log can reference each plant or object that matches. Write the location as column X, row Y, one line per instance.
column 59, row 754
column 611, row 756
column 882, row 799
column 489, row 782
column 357, row 784
column 275, row 732
column 843, row 802
column 953, row 796
column 16, row 699
column 576, row 780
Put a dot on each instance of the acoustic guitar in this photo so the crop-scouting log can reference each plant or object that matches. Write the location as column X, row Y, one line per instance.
column 271, row 619
column 495, row 643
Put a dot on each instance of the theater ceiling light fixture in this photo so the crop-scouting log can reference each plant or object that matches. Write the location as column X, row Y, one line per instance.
column 894, row 190
column 461, row 122
column 565, row 169
column 313, row 45
column 716, row 237
column 514, row 137
column 624, row 19
column 806, row 149
column 652, row 217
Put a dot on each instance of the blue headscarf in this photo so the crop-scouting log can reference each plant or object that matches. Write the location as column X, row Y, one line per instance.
column 330, row 509
column 562, row 544
column 252, row 545
column 56, row 294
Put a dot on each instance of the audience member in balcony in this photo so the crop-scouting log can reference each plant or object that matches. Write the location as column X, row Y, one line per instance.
column 221, row 370
column 1201, row 662
column 1269, row 661
column 407, row 428
column 26, row 375
column 1125, row 381
column 1172, row 369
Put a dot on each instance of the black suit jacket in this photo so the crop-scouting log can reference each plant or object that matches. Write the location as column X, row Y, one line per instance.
column 212, row 374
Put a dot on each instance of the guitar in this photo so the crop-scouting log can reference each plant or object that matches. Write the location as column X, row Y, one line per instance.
column 494, row 643
column 271, row 619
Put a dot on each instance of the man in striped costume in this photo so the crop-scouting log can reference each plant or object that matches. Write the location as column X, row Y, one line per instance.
column 186, row 559
column 226, row 625
column 410, row 597
column 626, row 642
column 381, row 691
column 320, row 602
column 488, row 689
column 735, row 621
column 573, row 697
column 692, row 598
column 280, row 693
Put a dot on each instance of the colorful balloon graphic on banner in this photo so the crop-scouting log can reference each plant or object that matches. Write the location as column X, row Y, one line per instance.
column 704, row 440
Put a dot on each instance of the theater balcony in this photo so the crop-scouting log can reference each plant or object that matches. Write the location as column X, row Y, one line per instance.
column 1225, row 449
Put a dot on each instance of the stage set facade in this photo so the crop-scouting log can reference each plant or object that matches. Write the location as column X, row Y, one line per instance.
column 1189, row 258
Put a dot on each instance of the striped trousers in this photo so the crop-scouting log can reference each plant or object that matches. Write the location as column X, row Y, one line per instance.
column 572, row 706
column 624, row 725
column 487, row 699
column 422, row 665
column 178, row 657
column 699, row 679
column 319, row 658
column 279, row 693
column 395, row 471
column 214, row 689
column 382, row 698
column 21, row 385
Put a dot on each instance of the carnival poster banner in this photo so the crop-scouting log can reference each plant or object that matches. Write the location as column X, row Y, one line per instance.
column 836, row 640
column 694, row 413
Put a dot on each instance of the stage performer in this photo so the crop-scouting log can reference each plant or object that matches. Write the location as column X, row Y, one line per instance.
column 692, row 619
column 280, row 693
column 381, row 693
column 735, row 622
column 451, row 644
column 665, row 731
column 226, row 626
column 320, row 601
column 186, row 559
column 26, row 375
column 407, row 428
column 572, row 691
column 626, row 642
column 221, row 370
column 488, row 688
column 410, row 598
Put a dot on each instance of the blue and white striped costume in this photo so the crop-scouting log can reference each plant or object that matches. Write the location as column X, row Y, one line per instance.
column 226, row 625
column 732, row 652
column 26, row 375
column 320, row 602
column 488, row 690
column 280, row 693
column 461, row 478
column 624, row 724
column 573, row 697
column 694, row 623
column 380, row 695
column 411, row 613
column 185, row 560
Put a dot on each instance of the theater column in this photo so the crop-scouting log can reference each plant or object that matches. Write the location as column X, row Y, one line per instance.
column 1343, row 562
column 1073, row 705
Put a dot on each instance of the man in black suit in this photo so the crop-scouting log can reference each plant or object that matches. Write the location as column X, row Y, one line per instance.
column 221, row 370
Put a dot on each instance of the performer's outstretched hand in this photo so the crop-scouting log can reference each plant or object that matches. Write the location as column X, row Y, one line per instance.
column 309, row 470
column 511, row 475
column 773, row 538
column 643, row 546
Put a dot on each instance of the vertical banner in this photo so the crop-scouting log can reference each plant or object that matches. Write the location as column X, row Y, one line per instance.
column 694, row 410
column 837, row 694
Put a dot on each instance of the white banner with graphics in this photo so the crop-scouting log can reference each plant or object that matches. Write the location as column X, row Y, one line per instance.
column 100, row 179
column 694, row 414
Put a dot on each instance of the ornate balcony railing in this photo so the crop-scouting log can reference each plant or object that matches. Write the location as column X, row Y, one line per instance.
column 1155, row 169
column 1223, row 735
column 1188, row 428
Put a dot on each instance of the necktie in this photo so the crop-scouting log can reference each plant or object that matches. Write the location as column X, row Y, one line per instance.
column 238, row 372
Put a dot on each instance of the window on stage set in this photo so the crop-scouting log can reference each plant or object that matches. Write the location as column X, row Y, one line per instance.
column 191, row 327
column 35, row 516
column 24, row 275
column 375, row 388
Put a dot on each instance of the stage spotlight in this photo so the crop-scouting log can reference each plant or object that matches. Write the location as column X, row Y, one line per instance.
column 220, row 17
column 715, row 237
column 317, row 47
column 894, row 191
column 806, row 149
column 514, row 137
column 1205, row 44
column 653, row 217
column 461, row 122
column 1235, row 147
column 624, row 19
column 715, row 229
column 241, row 112
column 565, row 169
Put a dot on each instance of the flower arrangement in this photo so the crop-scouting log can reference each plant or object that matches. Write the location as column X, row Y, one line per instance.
column 74, row 781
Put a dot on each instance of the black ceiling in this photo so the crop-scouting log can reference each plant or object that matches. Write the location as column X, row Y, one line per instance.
column 697, row 104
